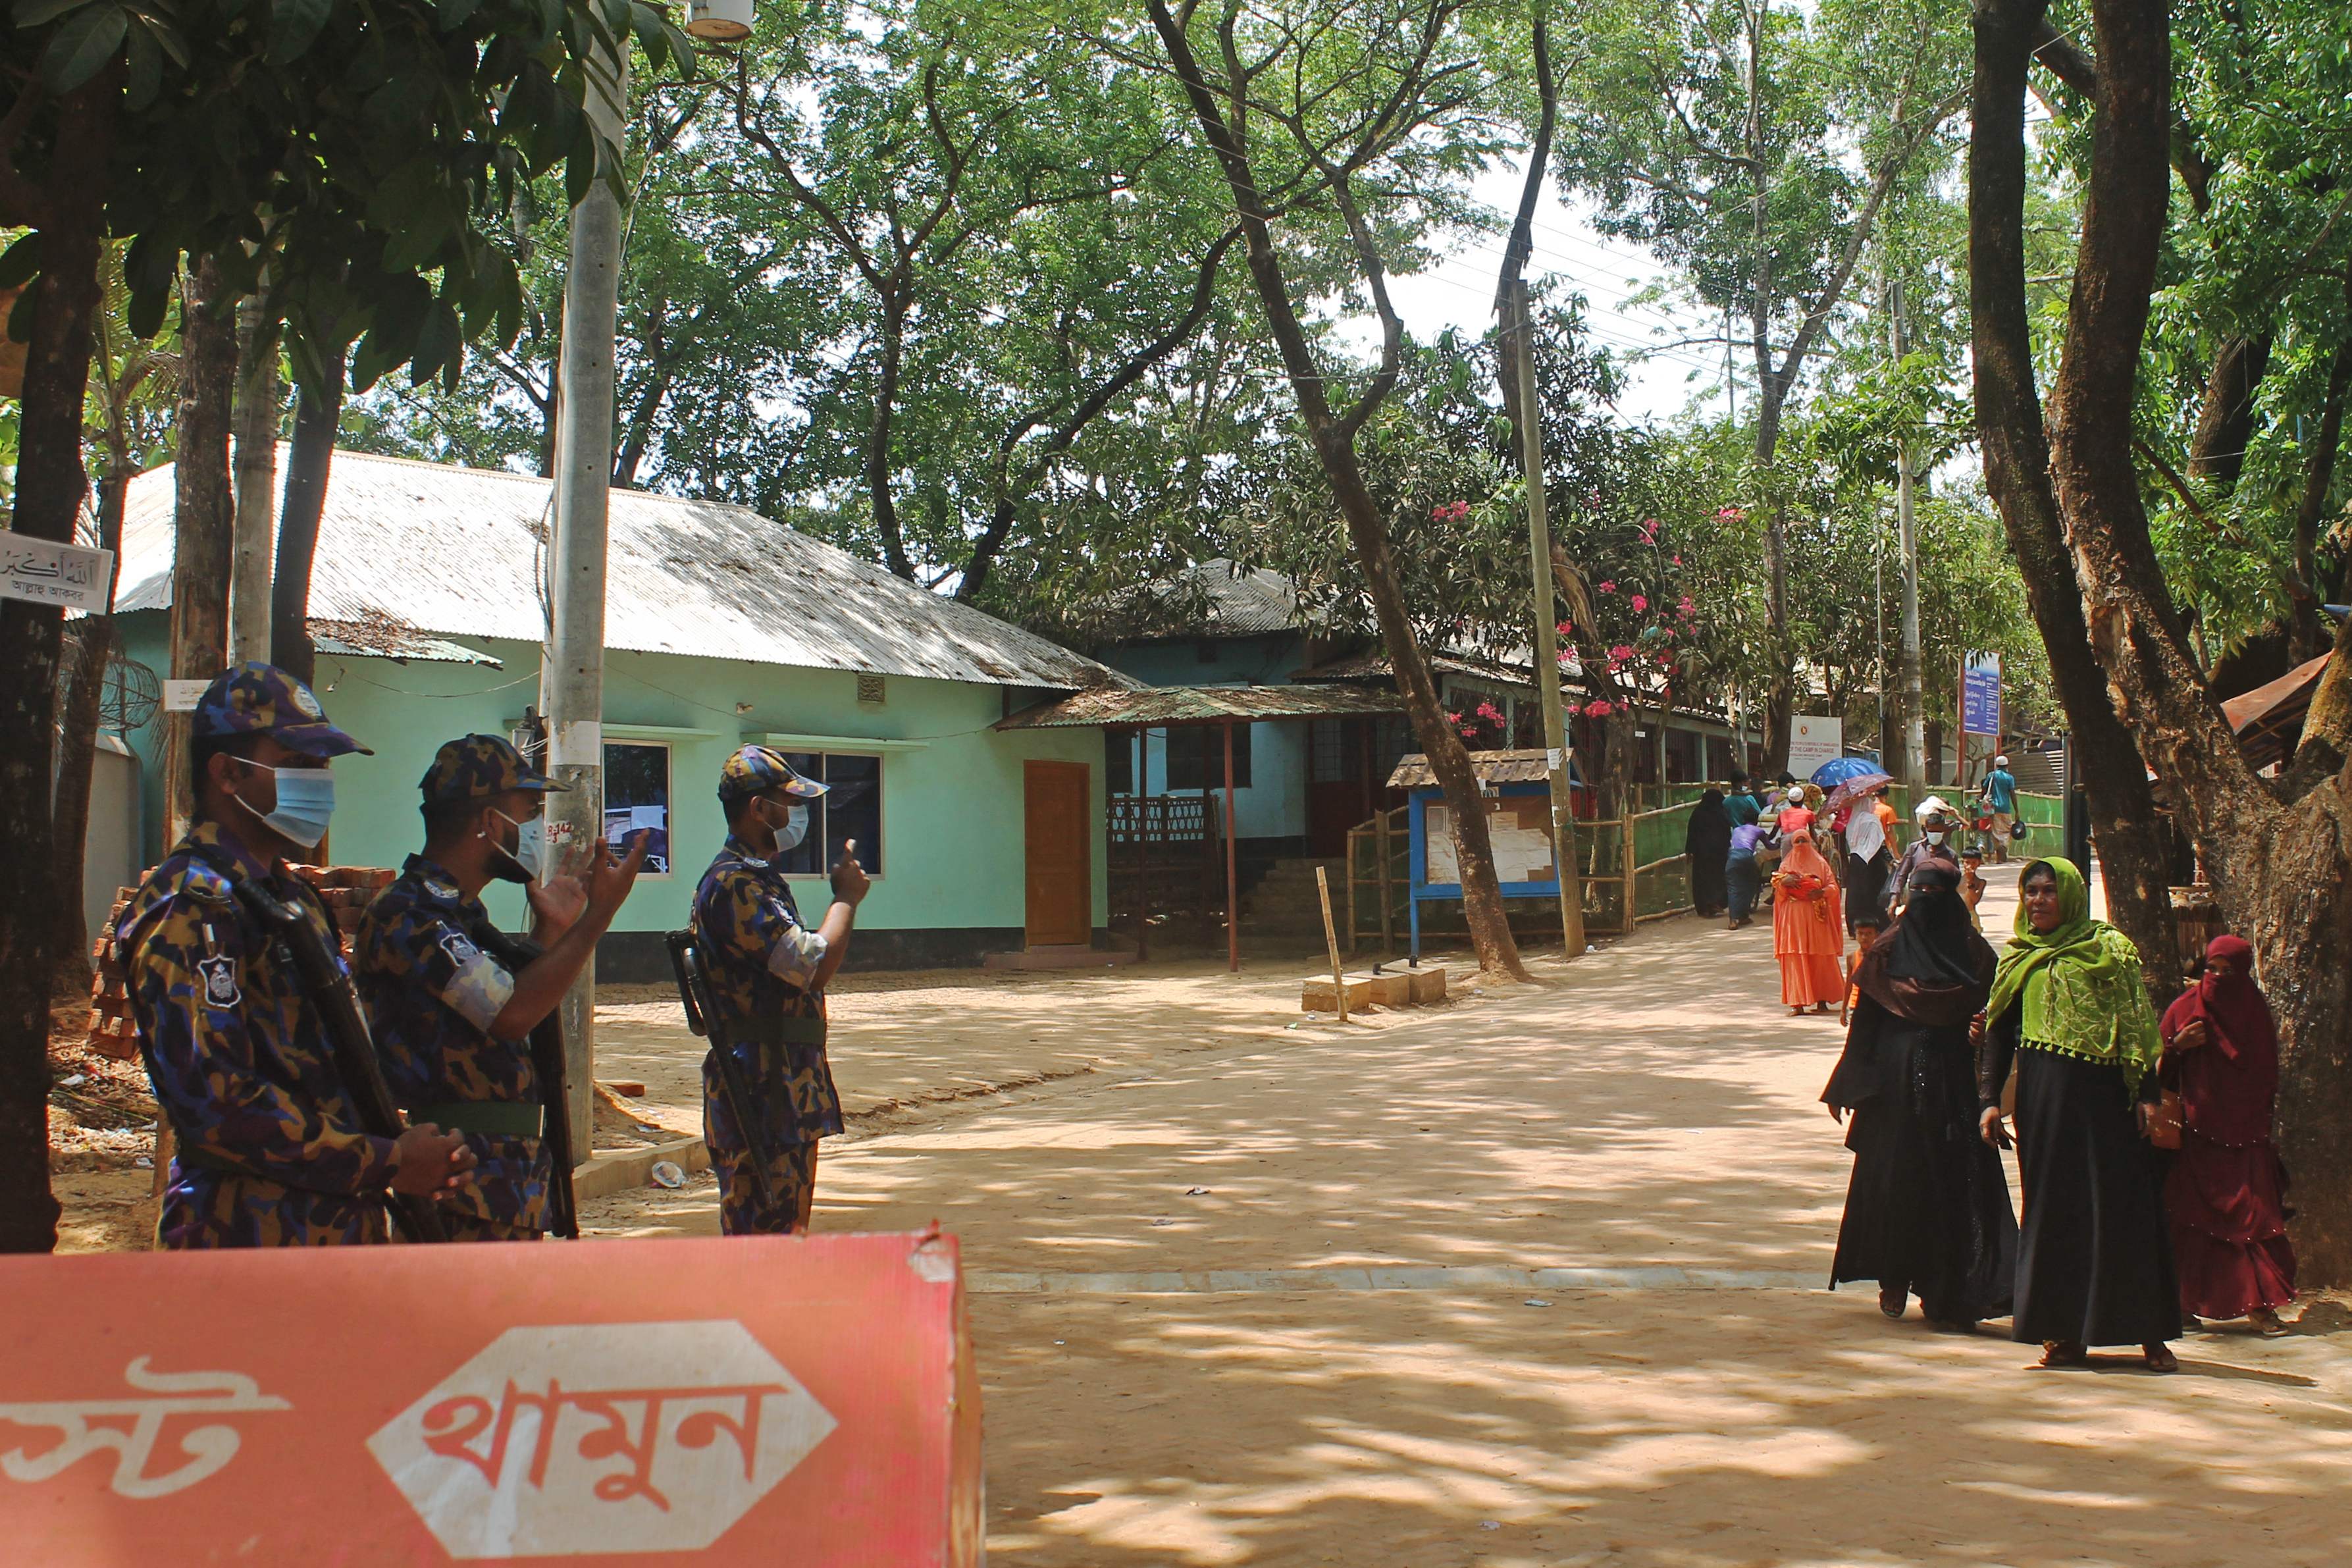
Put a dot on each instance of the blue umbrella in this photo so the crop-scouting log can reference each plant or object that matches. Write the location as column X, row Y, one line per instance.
column 1835, row 772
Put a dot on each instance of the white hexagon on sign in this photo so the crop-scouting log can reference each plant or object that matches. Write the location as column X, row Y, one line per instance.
column 600, row 1437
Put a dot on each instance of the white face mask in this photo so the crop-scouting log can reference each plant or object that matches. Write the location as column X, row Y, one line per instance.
column 793, row 829
column 530, row 853
column 1934, row 835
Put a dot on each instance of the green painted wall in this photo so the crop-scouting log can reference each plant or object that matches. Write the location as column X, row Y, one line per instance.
column 951, row 804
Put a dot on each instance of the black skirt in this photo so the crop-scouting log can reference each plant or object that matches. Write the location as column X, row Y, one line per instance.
column 2095, row 1263
column 1927, row 1209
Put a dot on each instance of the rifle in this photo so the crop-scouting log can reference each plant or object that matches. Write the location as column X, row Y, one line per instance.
column 328, row 985
column 515, row 953
column 702, row 1018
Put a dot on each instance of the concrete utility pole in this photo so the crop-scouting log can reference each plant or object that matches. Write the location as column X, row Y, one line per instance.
column 1519, row 333
column 1915, row 714
column 572, row 674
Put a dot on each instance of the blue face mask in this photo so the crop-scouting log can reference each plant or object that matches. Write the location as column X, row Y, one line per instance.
column 306, row 800
column 527, row 862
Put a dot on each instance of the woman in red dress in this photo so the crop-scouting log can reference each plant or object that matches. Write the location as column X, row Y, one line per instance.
column 1808, row 921
column 2226, row 1191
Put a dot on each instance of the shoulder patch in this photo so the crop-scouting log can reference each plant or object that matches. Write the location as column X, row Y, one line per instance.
column 200, row 881
column 221, row 989
column 460, row 948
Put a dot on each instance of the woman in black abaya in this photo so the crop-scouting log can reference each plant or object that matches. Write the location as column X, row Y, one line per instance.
column 1927, row 1211
column 1707, row 841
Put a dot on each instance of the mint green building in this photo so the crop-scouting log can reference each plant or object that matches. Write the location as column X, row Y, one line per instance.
column 723, row 628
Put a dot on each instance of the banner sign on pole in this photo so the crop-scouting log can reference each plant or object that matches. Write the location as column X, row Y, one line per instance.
column 1812, row 742
column 1980, row 694
column 48, row 573
column 808, row 1400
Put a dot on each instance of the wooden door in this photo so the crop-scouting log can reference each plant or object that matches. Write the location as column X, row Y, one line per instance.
column 1057, row 813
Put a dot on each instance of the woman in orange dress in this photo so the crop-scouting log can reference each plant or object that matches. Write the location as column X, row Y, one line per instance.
column 1808, row 924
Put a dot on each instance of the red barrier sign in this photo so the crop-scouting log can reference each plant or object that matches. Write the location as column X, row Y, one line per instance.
column 768, row 1400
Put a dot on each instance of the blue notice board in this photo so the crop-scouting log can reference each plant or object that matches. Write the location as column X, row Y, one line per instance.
column 1980, row 694
column 1421, row 889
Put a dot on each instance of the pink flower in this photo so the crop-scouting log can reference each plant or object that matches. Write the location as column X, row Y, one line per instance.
column 1461, row 509
column 1608, row 587
column 1621, row 651
column 1641, row 603
column 1488, row 712
column 1597, row 710
column 1667, row 633
column 1678, row 560
column 1688, row 608
column 1566, row 628
column 1730, row 515
column 1437, row 515
column 1454, row 717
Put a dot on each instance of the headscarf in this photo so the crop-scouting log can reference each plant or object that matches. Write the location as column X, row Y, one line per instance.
column 1800, row 859
column 1710, row 814
column 2088, row 1002
column 2229, row 1088
column 1865, row 835
column 1930, row 966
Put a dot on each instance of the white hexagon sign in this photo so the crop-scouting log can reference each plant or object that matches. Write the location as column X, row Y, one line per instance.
column 600, row 1437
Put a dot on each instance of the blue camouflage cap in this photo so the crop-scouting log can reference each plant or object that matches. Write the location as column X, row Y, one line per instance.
column 756, row 769
column 258, row 698
column 476, row 767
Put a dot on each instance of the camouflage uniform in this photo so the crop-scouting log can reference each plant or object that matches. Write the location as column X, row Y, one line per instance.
column 431, row 994
column 761, row 960
column 270, row 1148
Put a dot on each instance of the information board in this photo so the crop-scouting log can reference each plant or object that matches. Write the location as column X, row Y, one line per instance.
column 1814, row 740
column 1980, row 694
column 1519, row 826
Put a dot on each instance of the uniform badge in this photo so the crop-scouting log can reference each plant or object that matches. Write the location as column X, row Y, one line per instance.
column 220, row 981
column 460, row 951
column 306, row 704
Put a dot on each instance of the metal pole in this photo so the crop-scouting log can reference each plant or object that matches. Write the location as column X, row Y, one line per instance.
column 571, row 677
column 1520, row 332
column 1914, row 707
column 1233, row 872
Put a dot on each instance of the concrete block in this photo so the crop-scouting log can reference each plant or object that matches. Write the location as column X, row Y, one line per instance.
column 1316, row 996
column 1428, row 985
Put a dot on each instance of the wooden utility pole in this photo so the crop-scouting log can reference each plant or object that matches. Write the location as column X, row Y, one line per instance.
column 204, row 520
column 1233, row 869
column 253, row 481
column 1915, row 710
column 1519, row 333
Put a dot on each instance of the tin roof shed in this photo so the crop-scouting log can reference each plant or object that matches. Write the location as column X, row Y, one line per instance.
column 421, row 553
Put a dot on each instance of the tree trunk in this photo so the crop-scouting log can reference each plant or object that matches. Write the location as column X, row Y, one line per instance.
column 203, row 513
column 255, row 481
column 2283, row 872
column 51, row 486
column 2134, row 858
column 318, row 412
column 2225, row 420
column 878, row 492
column 1334, row 441
column 77, row 714
column 2310, row 634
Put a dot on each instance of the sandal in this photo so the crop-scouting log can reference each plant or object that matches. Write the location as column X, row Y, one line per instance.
column 2063, row 1353
column 2266, row 1323
column 1893, row 1300
column 2159, row 1358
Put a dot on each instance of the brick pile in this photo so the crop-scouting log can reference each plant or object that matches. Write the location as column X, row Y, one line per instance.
column 346, row 890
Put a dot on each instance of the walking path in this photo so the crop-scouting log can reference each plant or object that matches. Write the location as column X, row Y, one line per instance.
column 1532, row 1279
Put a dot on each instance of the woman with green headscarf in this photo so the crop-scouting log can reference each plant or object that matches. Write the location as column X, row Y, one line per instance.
column 2094, row 1260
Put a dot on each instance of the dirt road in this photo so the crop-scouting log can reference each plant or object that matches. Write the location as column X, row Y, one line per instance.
column 1533, row 1280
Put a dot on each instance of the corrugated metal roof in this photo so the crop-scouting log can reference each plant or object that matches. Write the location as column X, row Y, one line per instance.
column 1413, row 769
column 1216, row 598
column 382, row 637
column 1152, row 707
column 458, row 552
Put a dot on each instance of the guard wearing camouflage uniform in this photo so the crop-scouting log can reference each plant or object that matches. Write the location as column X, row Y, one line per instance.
column 453, row 1001
column 767, row 970
column 270, row 1151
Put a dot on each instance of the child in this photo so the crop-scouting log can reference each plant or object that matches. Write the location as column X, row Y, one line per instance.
column 1865, row 931
column 1972, row 883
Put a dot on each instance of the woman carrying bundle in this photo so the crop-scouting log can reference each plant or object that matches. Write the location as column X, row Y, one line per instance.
column 1808, row 921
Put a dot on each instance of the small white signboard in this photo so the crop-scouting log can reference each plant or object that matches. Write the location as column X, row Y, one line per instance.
column 1812, row 742
column 48, row 573
column 181, row 696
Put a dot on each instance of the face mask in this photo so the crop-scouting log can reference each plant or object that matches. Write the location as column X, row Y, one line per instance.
column 306, row 799
column 527, row 858
column 795, row 828
column 1935, row 836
